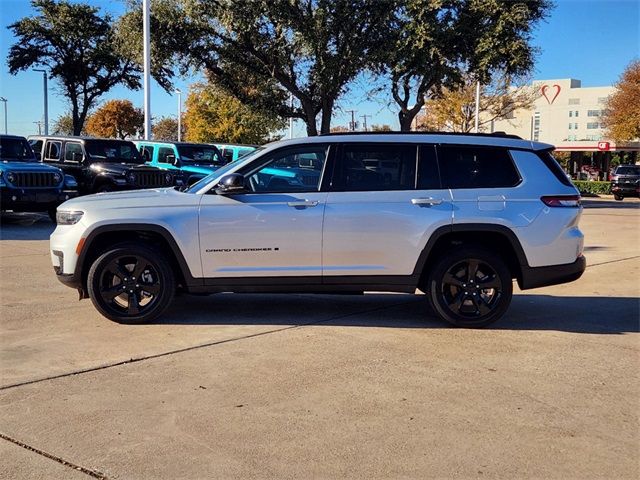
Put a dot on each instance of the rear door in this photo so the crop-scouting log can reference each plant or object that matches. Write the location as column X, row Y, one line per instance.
column 384, row 204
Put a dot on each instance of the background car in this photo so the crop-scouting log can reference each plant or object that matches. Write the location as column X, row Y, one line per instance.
column 27, row 185
column 625, row 181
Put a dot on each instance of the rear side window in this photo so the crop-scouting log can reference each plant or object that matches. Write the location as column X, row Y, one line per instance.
column 52, row 151
column 376, row 167
column 476, row 167
column 555, row 168
column 147, row 153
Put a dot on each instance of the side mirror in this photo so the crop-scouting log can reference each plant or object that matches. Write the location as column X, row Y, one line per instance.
column 229, row 184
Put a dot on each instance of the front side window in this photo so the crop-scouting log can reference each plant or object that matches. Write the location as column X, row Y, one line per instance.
column 36, row 145
column 52, row 151
column 163, row 153
column 72, row 152
column 476, row 167
column 376, row 167
column 290, row 170
column 147, row 153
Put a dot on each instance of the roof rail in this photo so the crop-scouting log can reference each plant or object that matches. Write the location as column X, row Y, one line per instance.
column 493, row 134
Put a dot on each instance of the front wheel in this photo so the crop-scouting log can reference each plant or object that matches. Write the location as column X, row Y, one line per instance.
column 470, row 287
column 131, row 284
column 618, row 197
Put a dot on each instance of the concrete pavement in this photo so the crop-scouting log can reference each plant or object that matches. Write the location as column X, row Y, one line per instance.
column 303, row 386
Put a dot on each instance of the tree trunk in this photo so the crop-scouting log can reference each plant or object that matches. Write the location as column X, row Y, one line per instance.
column 405, row 119
column 310, row 118
column 75, row 118
column 327, row 112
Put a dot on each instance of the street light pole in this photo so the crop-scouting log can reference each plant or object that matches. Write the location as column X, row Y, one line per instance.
column 146, row 38
column 2, row 99
column 46, row 100
column 179, row 92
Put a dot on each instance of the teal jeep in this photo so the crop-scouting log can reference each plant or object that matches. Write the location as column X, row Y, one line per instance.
column 231, row 153
column 192, row 161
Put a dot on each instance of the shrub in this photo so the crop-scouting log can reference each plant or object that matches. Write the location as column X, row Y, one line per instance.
column 592, row 188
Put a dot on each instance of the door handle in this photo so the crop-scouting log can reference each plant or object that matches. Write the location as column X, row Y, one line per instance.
column 303, row 203
column 426, row 201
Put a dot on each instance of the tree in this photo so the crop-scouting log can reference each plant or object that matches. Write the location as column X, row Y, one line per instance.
column 116, row 119
column 454, row 109
column 622, row 114
column 339, row 129
column 78, row 48
column 212, row 115
column 261, row 51
column 437, row 41
column 381, row 128
column 167, row 129
column 64, row 125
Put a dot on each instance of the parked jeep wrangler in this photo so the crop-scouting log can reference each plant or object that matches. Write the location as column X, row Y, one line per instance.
column 101, row 165
column 191, row 161
column 456, row 216
column 27, row 185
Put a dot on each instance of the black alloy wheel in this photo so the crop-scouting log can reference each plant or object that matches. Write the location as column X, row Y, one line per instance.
column 470, row 287
column 131, row 284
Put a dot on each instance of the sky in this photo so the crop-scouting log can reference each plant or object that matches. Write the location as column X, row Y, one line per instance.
column 589, row 40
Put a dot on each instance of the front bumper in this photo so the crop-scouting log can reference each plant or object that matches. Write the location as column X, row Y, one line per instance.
column 535, row 277
column 33, row 200
column 626, row 189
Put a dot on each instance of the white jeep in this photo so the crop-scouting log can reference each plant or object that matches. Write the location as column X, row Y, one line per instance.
column 456, row 216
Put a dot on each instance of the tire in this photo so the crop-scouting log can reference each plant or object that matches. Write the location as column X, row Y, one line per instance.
column 456, row 295
column 105, row 187
column 619, row 198
column 119, row 295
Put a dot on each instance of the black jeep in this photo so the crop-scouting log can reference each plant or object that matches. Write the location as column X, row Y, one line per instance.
column 625, row 181
column 101, row 165
column 26, row 184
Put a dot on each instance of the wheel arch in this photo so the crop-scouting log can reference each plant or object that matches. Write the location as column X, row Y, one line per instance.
column 157, row 236
column 497, row 238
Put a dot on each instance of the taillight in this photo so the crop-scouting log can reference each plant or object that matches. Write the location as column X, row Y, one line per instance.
column 561, row 200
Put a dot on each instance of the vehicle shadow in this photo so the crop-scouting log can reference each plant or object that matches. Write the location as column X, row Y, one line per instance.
column 25, row 226
column 596, row 315
column 586, row 203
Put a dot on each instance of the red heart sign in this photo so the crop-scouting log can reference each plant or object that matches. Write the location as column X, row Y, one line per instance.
column 544, row 89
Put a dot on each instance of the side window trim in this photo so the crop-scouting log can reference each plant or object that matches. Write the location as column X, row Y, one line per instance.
column 47, row 150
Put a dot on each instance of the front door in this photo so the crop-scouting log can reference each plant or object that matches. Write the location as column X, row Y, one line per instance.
column 274, row 228
column 384, row 204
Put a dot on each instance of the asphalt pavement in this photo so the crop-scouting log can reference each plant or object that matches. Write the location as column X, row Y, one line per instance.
column 323, row 386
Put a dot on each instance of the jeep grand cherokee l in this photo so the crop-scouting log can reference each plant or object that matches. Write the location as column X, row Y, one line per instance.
column 459, row 217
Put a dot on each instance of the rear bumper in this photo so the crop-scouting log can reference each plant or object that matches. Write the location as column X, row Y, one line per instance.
column 535, row 277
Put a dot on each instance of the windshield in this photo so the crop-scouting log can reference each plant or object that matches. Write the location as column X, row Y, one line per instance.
column 113, row 151
column 221, row 171
column 17, row 149
column 628, row 170
column 201, row 154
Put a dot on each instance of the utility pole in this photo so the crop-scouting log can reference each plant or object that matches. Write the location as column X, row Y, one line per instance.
column 46, row 100
column 352, row 125
column 477, row 119
column 179, row 92
column 39, row 123
column 364, row 122
column 4, row 100
column 146, row 37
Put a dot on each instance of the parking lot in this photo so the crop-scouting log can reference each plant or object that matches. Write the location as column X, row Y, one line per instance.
column 304, row 386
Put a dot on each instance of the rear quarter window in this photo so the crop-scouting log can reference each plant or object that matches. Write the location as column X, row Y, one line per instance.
column 476, row 167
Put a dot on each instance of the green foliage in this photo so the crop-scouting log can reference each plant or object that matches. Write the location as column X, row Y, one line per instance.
column 593, row 188
column 434, row 43
column 622, row 115
column 63, row 125
column 78, row 48
column 215, row 116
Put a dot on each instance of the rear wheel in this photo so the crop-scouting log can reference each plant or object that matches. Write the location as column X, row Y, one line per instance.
column 618, row 197
column 470, row 287
column 131, row 284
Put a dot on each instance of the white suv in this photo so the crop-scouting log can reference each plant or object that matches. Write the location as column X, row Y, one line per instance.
column 456, row 216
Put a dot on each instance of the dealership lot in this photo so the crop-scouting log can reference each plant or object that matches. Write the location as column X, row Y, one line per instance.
column 304, row 386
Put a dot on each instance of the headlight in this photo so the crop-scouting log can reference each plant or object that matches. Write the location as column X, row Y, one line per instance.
column 11, row 177
column 168, row 178
column 131, row 177
column 57, row 177
column 70, row 181
column 68, row 218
